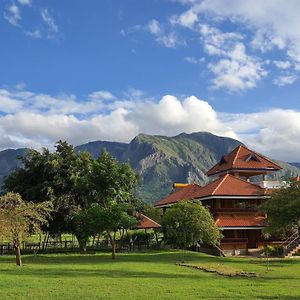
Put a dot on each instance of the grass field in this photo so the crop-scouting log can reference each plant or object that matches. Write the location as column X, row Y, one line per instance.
column 152, row 275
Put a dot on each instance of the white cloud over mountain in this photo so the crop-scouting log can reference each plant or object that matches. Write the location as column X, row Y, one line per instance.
column 34, row 120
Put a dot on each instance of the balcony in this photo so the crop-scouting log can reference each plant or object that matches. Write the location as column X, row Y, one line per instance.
column 270, row 184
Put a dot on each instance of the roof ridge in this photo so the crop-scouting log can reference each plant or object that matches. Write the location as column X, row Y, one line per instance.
column 264, row 157
column 237, row 153
column 219, row 184
column 150, row 219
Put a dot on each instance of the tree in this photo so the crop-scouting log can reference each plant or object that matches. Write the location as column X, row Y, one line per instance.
column 55, row 177
column 111, row 185
column 187, row 223
column 283, row 209
column 19, row 219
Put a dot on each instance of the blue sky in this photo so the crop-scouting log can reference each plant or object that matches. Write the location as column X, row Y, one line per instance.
column 91, row 70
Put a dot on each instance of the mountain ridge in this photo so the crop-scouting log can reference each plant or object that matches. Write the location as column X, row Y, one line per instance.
column 162, row 160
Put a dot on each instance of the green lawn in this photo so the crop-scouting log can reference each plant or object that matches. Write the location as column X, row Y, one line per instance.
column 152, row 275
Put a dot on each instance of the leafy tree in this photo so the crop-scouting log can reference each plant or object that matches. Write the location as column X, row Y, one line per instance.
column 187, row 223
column 19, row 219
column 111, row 185
column 283, row 209
column 54, row 177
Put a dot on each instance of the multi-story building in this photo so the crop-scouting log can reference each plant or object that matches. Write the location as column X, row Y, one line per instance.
column 232, row 198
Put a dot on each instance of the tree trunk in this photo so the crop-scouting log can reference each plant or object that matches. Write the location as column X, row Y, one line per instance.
column 113, row 246
column 18, row 252
column 82, row 244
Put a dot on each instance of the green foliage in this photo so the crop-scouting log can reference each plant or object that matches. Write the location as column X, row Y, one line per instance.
column 55, row 177
column 271, row 250
column 283, row 209
column 110, row 181
column 187, row 223
column 19, row 219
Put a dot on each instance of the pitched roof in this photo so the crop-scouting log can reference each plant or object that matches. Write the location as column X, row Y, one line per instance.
column 239, row 221
column 145, row 222
column 243, row 158
column 188, row 192
column 226, row 185
column 229, row 185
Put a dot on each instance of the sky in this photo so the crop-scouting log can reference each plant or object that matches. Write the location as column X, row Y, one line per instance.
column 111, row 69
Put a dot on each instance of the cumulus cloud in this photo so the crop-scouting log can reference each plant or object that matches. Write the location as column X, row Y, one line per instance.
column 274, row 132
column 28, row 119
column 263, row 26
column 236, row 70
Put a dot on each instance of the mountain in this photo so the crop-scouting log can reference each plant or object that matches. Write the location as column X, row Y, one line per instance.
column 160, row 160
column 9, row 160
column 295, row 164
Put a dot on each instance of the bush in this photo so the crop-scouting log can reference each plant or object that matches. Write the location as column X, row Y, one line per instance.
column 271, row 250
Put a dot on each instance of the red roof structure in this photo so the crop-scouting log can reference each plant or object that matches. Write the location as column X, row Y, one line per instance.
column 226, row 185
column 239, row 221
column 243, row 159
column 188, row 192
column 146, row 223
column 229, row 185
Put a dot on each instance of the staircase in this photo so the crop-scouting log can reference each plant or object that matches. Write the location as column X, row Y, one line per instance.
column 291, row 245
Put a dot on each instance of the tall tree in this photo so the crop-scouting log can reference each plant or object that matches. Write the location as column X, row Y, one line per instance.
column 188, row 223
column 53, row 176
column 20, row 219
column 283, row 209
column 112, row 186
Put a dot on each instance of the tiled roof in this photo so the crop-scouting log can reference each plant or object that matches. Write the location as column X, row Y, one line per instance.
column 146, row 223
column 243, row 158
column 239, row 221
column 226, row 185
column 186, row 193
column 229, row 185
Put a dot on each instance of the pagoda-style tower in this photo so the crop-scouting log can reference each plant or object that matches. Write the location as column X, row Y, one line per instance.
column 244, row 163
column 232, row 198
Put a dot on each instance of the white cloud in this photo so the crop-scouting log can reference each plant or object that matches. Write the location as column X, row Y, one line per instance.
column 49, row 21
column 36, row 120
column 275, row 22
column 25, row 2
column 168, row 39
column 282, row 64
column 193, row 60
column 101, row 95
column 285, row 80
column 35, row 34
column 186, row 19
column 13, row 15
column 274, row 132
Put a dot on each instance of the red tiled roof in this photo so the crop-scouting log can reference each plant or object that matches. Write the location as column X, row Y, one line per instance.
column 186, row 193
column 243, row 158
column 226, row 185
column 145, row 222
column 239, row 221
column 229, row 185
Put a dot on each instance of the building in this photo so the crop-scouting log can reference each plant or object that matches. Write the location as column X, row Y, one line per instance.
column 232, row 198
